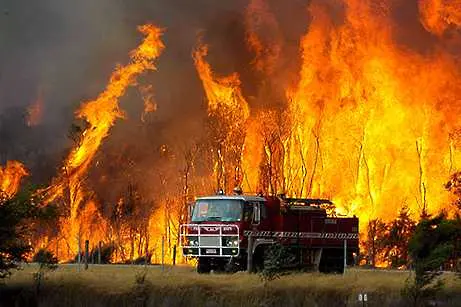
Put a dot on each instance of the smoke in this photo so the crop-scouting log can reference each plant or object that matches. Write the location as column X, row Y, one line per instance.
column 62, row 52
column 65, row 51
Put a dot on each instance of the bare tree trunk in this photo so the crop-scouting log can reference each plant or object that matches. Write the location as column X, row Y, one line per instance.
column 303, row 171
column 370, row 195
column 132, row 238
column 317, row 152
column 220, row 171
column 359, row 162
column 421, row 185
column 146, row 248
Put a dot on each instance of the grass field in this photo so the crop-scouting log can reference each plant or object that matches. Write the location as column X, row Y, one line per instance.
column 181, row 286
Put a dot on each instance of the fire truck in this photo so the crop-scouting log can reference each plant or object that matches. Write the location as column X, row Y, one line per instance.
column 237, row 232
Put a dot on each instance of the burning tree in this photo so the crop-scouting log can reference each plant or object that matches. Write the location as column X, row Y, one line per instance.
column 374, row 244
column 274, row 142
column 228, row 112
column 129, row 222
column 396, row 239
column 100, row 115
column 454, row 186
column 386, row 244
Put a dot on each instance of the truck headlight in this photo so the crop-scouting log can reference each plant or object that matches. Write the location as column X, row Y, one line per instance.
column 193, row 241
column 230, row 242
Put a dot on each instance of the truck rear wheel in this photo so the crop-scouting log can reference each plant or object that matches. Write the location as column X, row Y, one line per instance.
column 332, row 261
column 203, row 266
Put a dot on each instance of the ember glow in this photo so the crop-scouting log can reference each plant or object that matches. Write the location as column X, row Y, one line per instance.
column 10, row 178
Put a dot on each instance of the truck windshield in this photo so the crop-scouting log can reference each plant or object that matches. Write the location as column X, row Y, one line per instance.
column 223, row 210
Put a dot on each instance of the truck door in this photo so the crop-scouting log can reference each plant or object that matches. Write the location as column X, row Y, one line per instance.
column 317, row 226
column 256, row 213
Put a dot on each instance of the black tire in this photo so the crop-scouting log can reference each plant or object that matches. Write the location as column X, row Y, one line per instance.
column 231, row 268
column 258, row 259
column 203, row 266
column 332, row 261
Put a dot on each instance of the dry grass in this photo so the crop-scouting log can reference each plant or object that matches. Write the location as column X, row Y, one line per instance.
column 181, row 286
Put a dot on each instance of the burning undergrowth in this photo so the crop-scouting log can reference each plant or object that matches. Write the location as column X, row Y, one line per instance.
column 342, row 99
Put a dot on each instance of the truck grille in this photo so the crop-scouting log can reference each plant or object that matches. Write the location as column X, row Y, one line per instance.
column 209, row 241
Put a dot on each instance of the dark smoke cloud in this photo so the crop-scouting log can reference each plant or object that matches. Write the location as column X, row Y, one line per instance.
column 63, row 50
column 67, row 50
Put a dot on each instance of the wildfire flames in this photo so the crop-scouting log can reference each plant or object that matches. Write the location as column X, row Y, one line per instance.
column 367, row 121
column 229, row 109
column 10, row 178
column 438, row 16
column 100, row 115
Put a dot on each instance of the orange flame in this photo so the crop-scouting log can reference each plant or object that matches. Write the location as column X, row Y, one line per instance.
column 227, row 104
column 100, row 114
column 220, row 92
column 374, row 119
column 370, row 125
column 438, row 16
column 10, row 178
column 149, row 103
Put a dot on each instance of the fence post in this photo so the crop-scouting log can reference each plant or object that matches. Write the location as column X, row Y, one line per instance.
column 79, row 252
column 99, row 252
column 163, row 253
column 87, row 243
column 345, row 255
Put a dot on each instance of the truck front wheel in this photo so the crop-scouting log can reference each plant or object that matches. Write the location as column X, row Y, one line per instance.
column 203, row 266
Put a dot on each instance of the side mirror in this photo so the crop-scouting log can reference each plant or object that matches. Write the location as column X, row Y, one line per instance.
column 256, row 214
column 190, row 210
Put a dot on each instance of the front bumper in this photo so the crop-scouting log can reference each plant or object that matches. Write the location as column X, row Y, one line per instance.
column 210, row 240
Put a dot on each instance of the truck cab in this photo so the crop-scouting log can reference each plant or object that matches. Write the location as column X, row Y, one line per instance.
column 215, row 234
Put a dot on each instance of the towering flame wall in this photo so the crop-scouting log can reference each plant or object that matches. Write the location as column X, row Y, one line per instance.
column 371, row 124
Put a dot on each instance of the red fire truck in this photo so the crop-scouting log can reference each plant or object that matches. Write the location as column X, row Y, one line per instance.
column 235, row 232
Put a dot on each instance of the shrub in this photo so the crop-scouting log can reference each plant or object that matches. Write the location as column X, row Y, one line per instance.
column 48, row 262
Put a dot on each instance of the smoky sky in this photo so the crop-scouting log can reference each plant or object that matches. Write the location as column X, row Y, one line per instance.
column 66, row 50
